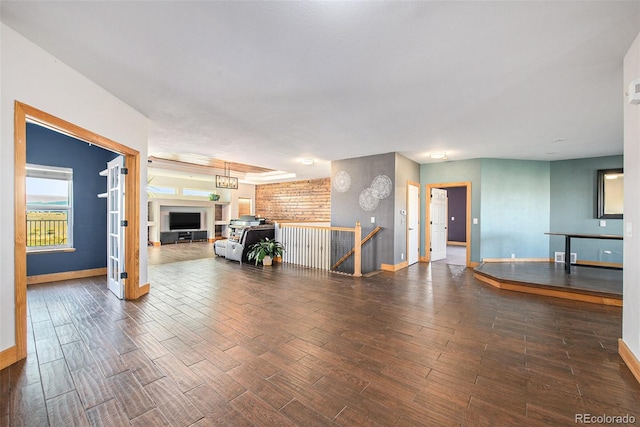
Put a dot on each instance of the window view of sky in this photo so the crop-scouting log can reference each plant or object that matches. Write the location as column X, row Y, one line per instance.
column 43, row 190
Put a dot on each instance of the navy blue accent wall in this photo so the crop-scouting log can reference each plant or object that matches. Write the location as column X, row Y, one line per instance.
column 46, row 147
column 458, row 211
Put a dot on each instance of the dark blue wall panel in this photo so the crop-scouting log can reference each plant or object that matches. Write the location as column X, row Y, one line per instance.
column 46, row 147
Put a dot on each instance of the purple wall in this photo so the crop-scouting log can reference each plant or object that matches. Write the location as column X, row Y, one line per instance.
column 458, row 211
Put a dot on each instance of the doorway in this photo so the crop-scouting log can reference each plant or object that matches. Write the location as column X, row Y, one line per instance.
column 456, row 252
column 24, row 113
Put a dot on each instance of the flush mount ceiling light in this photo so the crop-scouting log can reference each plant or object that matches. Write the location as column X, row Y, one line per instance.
column 307, row 162
column 438, row 156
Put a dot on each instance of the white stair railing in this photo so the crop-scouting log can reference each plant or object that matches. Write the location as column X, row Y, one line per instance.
column 310, row 246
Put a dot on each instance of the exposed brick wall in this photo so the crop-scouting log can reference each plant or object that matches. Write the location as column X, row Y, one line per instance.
column 295, row 201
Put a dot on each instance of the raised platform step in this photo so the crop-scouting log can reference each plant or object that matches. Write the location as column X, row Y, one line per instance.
column 599, row 286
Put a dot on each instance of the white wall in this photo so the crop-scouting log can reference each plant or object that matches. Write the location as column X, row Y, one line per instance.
column 30, row 75
column 631, row 309
column 161, row 179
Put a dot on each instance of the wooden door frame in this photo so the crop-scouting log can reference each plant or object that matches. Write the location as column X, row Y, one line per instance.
column 133, row 290
column 427, row 221
column 412, row 184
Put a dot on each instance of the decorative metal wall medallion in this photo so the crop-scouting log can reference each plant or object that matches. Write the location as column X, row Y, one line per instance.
column 368, row 201
column 341, row 181
column 381, row 186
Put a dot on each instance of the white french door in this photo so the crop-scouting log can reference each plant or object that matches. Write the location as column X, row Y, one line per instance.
column 115, row 227
column 438, row 224
column 413, row 225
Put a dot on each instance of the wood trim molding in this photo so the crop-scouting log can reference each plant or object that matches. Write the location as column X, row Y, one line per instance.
column 629, row 358
column 599, row 264
column 66, row 275
column 394, row 267
column 452, row 243
column 20, row 227
column 142, row 290
column 8, row 357
column 427, row 217
column 22, row 112
column 547, row 292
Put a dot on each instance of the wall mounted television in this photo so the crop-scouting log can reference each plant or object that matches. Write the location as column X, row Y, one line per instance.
column 184, row 220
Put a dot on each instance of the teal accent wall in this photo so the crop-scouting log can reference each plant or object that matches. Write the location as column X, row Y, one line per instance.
column 573, row 208
column 515, row 208
column 449, row 172
column 517, row 201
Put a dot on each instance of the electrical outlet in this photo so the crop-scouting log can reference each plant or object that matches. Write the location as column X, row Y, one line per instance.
column 603, row 223
column 373, row 220
column 402, row 255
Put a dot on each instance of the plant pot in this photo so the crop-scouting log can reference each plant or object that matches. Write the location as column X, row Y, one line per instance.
column 267, row 260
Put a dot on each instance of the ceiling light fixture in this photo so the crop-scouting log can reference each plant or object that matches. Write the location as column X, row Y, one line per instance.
column 226, row 180
column 438, row 156
column 307, row 162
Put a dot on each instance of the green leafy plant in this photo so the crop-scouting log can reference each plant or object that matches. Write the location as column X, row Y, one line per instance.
column 265, row 247
column 214, row 197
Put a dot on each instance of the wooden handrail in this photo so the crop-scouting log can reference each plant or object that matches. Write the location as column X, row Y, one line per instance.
column 352, row 251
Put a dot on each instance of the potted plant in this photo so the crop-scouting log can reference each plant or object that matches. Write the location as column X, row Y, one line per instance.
column 265, row 251
column 214, row 197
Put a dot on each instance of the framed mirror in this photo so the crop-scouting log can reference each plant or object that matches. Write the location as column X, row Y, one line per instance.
column 610, row 193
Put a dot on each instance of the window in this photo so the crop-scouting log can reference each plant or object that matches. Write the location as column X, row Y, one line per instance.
column 155, row 190
column 244, row 206
column 195, row 192
column 49, row 207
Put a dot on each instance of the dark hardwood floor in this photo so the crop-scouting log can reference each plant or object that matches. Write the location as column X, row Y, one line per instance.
column 588, row 280
column 217, row 343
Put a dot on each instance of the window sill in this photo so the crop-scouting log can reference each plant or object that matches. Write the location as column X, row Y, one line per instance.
column 49, row 250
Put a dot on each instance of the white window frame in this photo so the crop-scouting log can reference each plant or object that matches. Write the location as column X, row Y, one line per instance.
column 57, row 173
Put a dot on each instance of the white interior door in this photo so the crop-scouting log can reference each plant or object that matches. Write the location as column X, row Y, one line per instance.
column 438, row 224
column 115, row 228
column 413, row 225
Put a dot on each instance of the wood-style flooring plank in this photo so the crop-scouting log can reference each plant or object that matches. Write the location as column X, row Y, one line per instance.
column 258, row 412
column 106, row 414
column 173, row 404
column 56, row 379
column 91, row 386
column 131, row 396
column 66, row 410
column 224, row 343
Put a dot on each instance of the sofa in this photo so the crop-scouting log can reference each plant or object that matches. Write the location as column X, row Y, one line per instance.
column 237, row 250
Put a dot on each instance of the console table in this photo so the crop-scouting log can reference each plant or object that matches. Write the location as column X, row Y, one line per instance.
column 567, row 244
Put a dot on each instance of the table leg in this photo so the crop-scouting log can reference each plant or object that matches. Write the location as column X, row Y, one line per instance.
column 567, row 254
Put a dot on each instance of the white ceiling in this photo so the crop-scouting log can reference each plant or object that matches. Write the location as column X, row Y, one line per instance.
column 269, row 83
